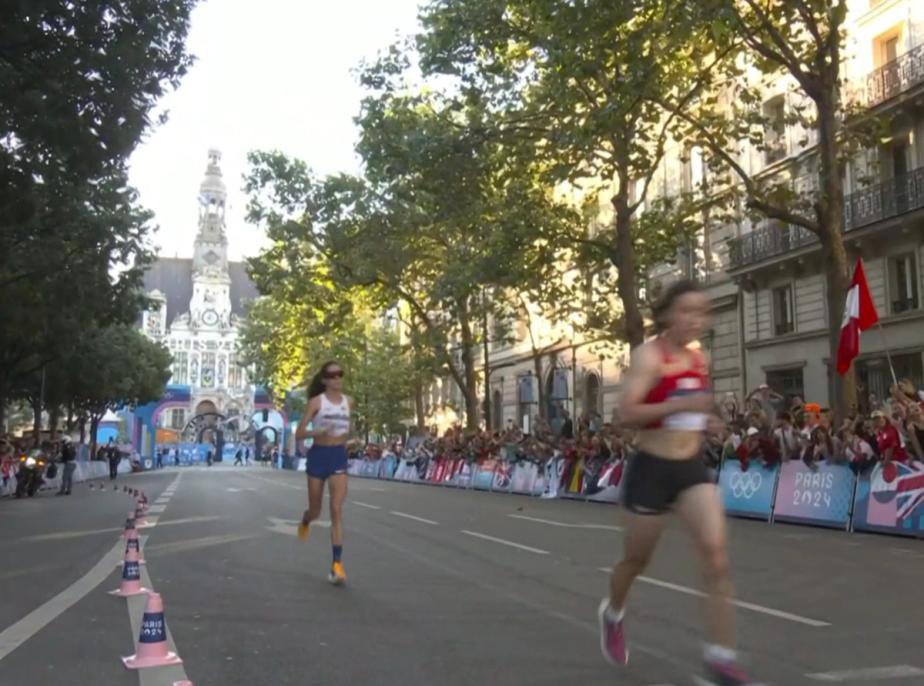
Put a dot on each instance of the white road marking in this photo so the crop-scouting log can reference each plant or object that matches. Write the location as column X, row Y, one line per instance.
column 161, row 676
column 868, row 674
column 195, row 543
column 366, row 505
column 415, row 518
column 157, row 509
column 537, row 551
column 289, row 527
column 64, row 535
column 233, row 490
column 14, row 636
column 798, row 619
column 376, row 490
column 567, row 525
column 162, row 501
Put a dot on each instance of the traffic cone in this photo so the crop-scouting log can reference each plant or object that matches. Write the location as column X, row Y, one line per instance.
column 91, row 486
column 131, row 577
column 139, row 517
column 134, row 543
column 129, row 524
column 152, row 642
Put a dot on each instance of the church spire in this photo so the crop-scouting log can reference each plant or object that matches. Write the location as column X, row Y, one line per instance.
column 211, row 245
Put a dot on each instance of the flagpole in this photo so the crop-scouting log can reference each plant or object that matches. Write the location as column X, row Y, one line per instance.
column 885, row 342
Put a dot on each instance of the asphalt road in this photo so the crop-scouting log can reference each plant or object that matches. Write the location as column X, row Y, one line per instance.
column 445, row 587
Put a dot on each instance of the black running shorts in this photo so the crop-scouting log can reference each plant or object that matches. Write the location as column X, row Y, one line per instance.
column 653, row 483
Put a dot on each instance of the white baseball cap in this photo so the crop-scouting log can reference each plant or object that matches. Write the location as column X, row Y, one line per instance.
column 753, row 431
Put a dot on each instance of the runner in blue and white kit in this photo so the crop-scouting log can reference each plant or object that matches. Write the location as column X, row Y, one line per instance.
column 329, row 413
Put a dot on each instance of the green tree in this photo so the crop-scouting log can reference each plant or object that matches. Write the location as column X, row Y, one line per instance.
column 78, row 85
column 802, row 40
column 116, row 367
column 579, row 85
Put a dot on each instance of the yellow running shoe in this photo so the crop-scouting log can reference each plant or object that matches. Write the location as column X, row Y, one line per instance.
column 337, row 575
column 304, row 529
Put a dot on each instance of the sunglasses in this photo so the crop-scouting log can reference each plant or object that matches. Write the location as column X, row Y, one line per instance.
column 334, row 375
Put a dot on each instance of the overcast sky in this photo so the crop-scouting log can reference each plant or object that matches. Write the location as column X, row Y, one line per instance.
column 271, row 74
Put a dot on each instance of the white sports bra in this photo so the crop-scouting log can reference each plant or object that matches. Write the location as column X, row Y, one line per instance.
column 333, row 418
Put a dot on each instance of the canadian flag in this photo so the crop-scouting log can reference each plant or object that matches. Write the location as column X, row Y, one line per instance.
column 859, row 315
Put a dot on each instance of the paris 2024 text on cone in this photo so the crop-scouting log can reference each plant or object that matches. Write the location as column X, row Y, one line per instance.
column 131, row 577
column 134, row 543
column 152, row 643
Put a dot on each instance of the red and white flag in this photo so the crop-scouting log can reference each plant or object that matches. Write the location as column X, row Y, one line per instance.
column 859, row 315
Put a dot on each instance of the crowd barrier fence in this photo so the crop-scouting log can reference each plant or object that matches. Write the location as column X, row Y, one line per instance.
column 825, row 495
column 85, row 470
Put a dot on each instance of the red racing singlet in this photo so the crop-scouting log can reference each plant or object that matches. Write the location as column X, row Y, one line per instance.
column 677, row 379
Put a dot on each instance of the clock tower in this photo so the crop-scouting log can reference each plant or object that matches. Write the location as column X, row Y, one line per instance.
column 210, row 306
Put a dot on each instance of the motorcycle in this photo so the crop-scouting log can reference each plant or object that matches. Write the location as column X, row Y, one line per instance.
column 30, row 476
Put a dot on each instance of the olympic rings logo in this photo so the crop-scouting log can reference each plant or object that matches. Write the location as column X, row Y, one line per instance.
column 745, row 485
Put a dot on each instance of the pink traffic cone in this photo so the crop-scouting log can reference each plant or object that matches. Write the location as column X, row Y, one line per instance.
column 139, row 517
column 134, row 543
column 91, row 486
column 152, row 642
column 129, row 524
column 131, row 577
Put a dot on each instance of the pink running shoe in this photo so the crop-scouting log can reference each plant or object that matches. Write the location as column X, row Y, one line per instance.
column 720, row 673
column 612, row 637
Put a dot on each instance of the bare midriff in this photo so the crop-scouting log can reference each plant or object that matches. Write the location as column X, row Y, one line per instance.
column 670, row 444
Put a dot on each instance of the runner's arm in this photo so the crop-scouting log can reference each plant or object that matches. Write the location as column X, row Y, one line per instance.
column 302, row 432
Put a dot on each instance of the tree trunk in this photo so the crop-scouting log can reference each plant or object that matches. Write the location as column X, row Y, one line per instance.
column 53, row 422
column 470, row 386
column 36, row 422
column 94, row 426
column 834, row 252
column 419, row 404
column 487, row 362
column 540, row 395
column 2, row 413
column 623, row 258
column 82, row 421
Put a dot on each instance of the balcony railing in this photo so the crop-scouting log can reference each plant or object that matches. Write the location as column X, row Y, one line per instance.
column 765, row 242
column 891, row 198
column 885, row 200
column 895, row 77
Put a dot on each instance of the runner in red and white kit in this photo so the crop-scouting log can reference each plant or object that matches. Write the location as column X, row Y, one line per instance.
column 667, row 395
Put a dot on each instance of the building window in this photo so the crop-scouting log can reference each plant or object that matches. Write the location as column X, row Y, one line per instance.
column 789, row 383
column 876, row 378
column 180, row 368
column 208, row 370
column 783, row 311
column 234, row 372
column 903, row 283
column 775, row 129
column 177, row 418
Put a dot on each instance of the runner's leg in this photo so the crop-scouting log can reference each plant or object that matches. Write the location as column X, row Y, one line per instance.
column 642, row 534
column 700, row 508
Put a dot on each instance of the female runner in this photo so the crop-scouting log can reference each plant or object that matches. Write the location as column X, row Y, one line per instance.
column 667, row 395
column 329, row 412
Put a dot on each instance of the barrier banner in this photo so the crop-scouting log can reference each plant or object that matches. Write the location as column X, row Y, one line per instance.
column 406, row 471
column 523, row 477
column 355, row 467
column 423, row 464
column 387, row 466
column 554, row 469
column 893, row 506
column 483, row 478
column 429, row 473
column 822, row 496
column 502, row 473
column 465, row 474
column 572, row 479
column 750, row 493
column 370, row 468
column 607, row 488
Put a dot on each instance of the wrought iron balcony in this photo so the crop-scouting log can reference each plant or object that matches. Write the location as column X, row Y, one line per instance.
column 895, row 77
column 765, row 242
column 891, row 198
column 886, row 200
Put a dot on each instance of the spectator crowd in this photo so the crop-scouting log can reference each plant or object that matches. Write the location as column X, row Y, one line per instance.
column 765, row 428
